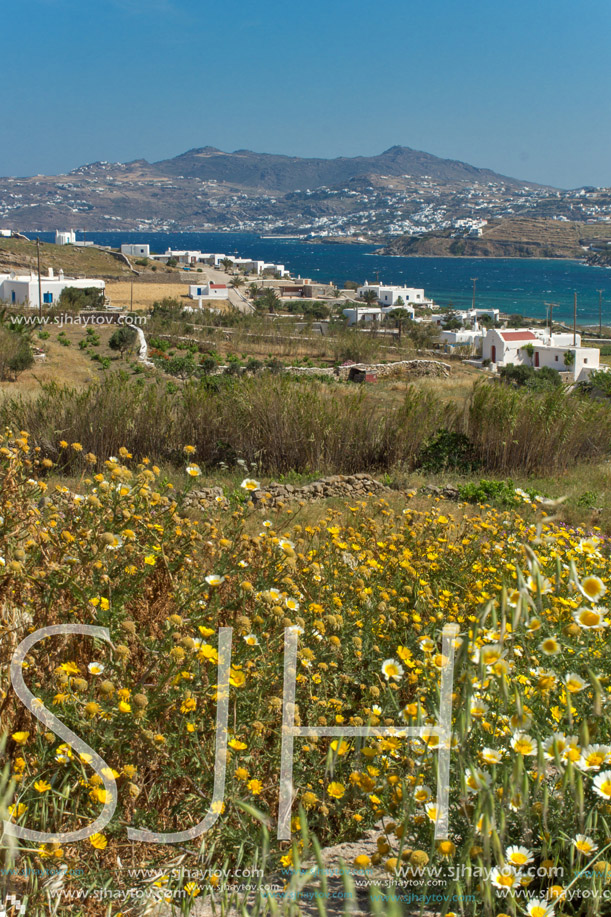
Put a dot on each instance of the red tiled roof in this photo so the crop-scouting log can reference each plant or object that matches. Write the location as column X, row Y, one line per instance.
column 518, row 336
column 218, row 286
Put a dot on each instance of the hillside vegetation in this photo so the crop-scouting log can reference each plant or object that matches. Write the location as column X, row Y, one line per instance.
column 21, row 257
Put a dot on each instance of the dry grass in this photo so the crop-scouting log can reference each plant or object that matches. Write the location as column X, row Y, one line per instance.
column 87, row 262
column 63, row 365
column 145, row 294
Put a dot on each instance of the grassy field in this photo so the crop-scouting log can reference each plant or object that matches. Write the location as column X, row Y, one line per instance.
column 145, row 294
column 87, row 262
column 65, row 363
column 21, row 257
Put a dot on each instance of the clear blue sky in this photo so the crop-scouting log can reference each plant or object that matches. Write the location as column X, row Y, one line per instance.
column 520, row 87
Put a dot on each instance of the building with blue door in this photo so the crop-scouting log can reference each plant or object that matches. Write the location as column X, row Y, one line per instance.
column 22, row 289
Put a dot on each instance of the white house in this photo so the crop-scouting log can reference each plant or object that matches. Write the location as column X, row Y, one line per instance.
column 558, row 338
column 461, row 338
column 468, row 317
column 388, row 295
column 65, row 238
column 251, row 265
column 22, row 289
column 208, row 291
column 365, row 314
column 183, row 256
column 524, row 347
column 374, row 313
column 136, row 250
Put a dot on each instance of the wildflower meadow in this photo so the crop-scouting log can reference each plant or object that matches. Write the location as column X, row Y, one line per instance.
column 368, row 587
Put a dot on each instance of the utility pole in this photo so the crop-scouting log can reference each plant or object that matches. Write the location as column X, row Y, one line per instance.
column 600, row 313
column 474, row 279
column 575, row 319
column 39, row 280
column 551, row 306
column 131, row 299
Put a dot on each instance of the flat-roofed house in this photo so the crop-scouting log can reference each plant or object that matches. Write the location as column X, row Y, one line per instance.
column 523, row 346
column 22, row 289
column 208, row 291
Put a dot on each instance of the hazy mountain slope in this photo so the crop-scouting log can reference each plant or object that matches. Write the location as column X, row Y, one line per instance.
column 292, row 173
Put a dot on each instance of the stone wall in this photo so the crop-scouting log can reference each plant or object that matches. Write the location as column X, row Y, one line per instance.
column 351, row 486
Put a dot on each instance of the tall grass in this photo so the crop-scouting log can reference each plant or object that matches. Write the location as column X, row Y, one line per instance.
column 281, row 423
column 277, row 423
column 517, row 430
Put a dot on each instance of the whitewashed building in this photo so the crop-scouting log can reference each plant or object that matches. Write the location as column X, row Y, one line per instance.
column 22, row 289
column 216, row 259
column 524, row 347
column 368, row 314
column 468, row 317
column 208, row 291
column 136, row 250
column 462, row 338
column 65, row 237
column 388, row 295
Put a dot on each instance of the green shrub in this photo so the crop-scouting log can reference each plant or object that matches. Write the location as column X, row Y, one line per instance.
column 500, row 493
column 447, row 450
column 122, row 339
column 587, row 500
column 181, row 366
column 208, row 365
column 73, row 299
column 599, row 382
column 527, row 376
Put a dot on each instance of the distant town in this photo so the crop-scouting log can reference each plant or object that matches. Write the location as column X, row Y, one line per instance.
column 481, row 336
column 401, row 192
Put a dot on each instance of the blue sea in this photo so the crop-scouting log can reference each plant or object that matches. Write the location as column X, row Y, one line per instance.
column 522, row 286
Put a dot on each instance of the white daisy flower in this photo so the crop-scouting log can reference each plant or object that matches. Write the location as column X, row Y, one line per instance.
column 584, row 844
column 519, row 856
column 593, row 588
column 215, row 580
column 602, row 785
column 392, row 669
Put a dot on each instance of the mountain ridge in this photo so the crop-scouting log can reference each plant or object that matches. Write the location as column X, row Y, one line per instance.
column 282, row 172
column 399, row 192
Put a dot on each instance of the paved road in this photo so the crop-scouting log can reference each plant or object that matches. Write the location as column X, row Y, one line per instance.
column 237, row 298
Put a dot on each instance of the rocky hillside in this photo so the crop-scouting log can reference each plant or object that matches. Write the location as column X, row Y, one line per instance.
column 509, row 238
column 293, row 173
column 21, row 256
column 401, row 192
